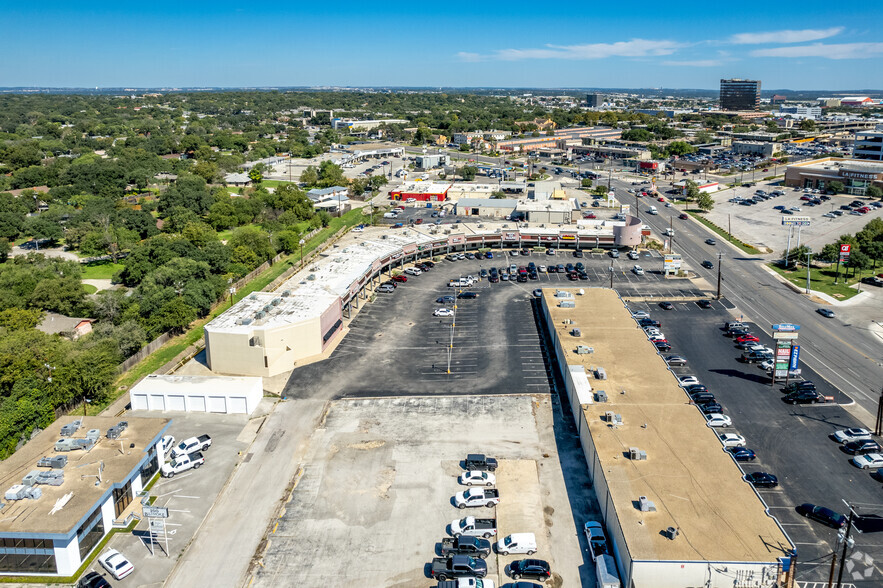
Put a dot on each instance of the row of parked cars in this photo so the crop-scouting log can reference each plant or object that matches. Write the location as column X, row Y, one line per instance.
column 708, row 405
column 462, row 562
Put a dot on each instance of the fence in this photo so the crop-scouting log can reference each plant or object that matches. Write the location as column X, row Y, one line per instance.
column 144, row 352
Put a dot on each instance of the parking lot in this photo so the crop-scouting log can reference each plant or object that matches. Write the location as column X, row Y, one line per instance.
column 791, row 441
column 761, row 224
column 188, row 496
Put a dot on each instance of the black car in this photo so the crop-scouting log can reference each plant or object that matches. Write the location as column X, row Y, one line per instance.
column 521, row 278
column 467, row 295
column 480, row 462
column 530, row 568
column 695, row 388
column 578, row 253
column 707, row 264
column 823, row 515
column 862, row 447
column 762, row 480
column 666, row 305
column 702, row 397
column 648, row 322
column 525, row 585
column 711, row 408
column 525, row 252
column 742, row 453
column 710, row 242
column 704, row 303
column 445, row 299
column 804, row 397
column 796, row 386
column 93, row 580
column 662, row 346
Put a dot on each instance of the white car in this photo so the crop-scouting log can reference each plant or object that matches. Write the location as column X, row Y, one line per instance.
column 655, row 338
column 114, row 562
column 357, row 229
column 443, row 312
column 476, row 478
column 718, row 420
column 732, row 440
column 413, row 271
column 688, row 380
column 871, row 460
column 654, row 332
column 639, row 271
column 855, row 434
column 641, row 314
column 542, row 268
column 633, row 255
column 767, row 365
column 166, row 443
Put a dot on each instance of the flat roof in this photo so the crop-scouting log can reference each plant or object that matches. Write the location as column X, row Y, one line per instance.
column 837, row 163
column 119, row 459
column 422, row 188
column 695, row 484
column 488, row 202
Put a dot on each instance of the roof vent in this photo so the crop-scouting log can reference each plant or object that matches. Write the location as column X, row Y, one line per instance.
column 246, row 321
column 276, row 301
column 672, row 533
column 311, row 277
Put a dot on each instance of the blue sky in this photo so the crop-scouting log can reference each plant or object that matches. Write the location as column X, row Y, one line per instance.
column 796, row 45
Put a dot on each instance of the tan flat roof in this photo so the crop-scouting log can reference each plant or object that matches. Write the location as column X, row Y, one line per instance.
column 695, row 484
column 32, row 516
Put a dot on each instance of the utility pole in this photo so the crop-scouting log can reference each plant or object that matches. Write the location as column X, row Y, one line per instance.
column 720, row 257
column 808, row 268
column 611, row 277
column 879, row 427
column 845, row 546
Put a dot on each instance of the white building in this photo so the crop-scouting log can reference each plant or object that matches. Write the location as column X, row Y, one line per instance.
column 221, row 394
column 801, row 111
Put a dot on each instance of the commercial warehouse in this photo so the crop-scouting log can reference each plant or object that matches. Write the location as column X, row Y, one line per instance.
column 82, row 494
column 674, row 503
column 421, row 191
column 855, row 175
column 219, row 394
column 269, row 333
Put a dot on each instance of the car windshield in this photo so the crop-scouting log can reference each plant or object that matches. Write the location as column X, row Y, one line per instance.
column 507, row 541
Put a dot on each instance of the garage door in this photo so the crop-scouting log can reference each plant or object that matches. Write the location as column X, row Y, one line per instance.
column 217, row 404
column 237, row 405
column 139, row 401
column 157, row 402
column 197, row 403
column 176, row 403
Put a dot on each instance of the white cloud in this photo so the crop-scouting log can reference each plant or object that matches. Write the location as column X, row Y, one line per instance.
column 803, row 36
column 696, row 63
column 632, row 48
column 826, row 50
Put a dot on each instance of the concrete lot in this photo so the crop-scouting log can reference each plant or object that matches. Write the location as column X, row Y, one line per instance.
column 374, row 497
column 188, row 496
column 791, row 441
column 760, row 224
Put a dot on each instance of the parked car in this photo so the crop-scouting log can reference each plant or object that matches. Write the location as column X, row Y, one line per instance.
column 641, row 314
column 457, row 566
column 399, row 278
column 597, row 540
column 182, row 463
column 386, row 288
column 477, row 478
column 517, row 543
column 871, row 460
column 804, row 397
column 742, row 454
column 666, row 305
column 762, row 480
column 862, row 447
column 93, row 580
column 445, row 300
column 467, row 295
column 718, row 420
column 465, row 546
column 688, row 380
column 676, row 360
column 732, row 440
column 480, row 462
column 474, row 527
column 475, row 497
column 530, row 568
column 854, row 434
column 191, row 445
column 821, row 514
column 116, row 564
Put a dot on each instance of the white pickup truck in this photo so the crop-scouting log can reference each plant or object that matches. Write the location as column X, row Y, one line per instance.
column 473, row 527
column 182, row 463
column 188, row 446
column 477, row 497
column 460, row 282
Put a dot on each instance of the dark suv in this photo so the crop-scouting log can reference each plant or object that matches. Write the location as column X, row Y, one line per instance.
column 530, row 568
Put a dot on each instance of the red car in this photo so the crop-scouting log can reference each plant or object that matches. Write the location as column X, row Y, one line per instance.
column 399, row 279
column 682, row 216
column 746, row 339
column 661, row 199
column 590, row 215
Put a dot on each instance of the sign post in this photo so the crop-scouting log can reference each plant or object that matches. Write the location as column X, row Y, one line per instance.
column 787, row 351
column 156, row 524
column 845, row 250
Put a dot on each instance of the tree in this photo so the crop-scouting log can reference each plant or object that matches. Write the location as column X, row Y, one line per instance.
column 467, row 172
column 16, row 319
column 331, row 174
column 874, row 192
column 43, row 226
column 188, row 191
column 692, row 192
column 586, row 183
column 808, row 125
column 255, row 175
column 175, row 316
column 5, row 249
column 679, row 148
column 858, row 261
column 705, row 201
column 836, row 187
column 794, row 256
column 309, row 176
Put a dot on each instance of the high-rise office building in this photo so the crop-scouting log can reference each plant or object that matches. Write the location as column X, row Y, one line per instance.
column 739, row 94
column 594, row 100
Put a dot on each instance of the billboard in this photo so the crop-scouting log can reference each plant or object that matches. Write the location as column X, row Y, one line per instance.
column 844, row 252
column 795, row 221
column 671, row 262
column 795, row 356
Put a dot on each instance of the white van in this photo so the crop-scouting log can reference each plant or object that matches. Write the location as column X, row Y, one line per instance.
column 410, row 200
column 652, row 210
column 517, row 543
column 390, row 215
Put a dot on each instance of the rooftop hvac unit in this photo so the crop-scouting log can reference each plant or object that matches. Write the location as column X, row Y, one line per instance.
column 600, row 373
column 311, row 277
column 51, row 478
column 646, row 505
column 253, row 297
column 637, row 454
column 267, row 308
column 567, row 304
column 31, row 478
column 93, row 434
column 584, row 349
column 114, row 433
column 33, row 493
column 384, row 236
column 576, row 332
column 16, row 492
column 600, row 396
column 259, row 315
column 286, row 293
column 55, row 462
column 246, row 321
column 71, row 428
column 123, row 425
column 672, row 532
column 276, row 301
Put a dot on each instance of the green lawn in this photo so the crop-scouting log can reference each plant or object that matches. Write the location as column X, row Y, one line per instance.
column 821, row 280
column 90, row 289
column 743, row 246
column 100, row 270
column 171, row 349
column 274, row 183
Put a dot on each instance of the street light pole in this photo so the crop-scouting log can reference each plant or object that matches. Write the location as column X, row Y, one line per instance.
column 845, row 546
column 720, row 257
column 302, row 253
column 808, row 268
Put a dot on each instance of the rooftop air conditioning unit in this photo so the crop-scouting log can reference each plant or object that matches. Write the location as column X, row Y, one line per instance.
column 672, row 532
column 246, row 321
column 576, row 332
column 584, row 350
column 646, row 505
column 70, row 428
column 55, row 462
column 600, row 373
column 31, row 478
column 286, row 293
column 259, row 315
column 276, row 301
column 601, row 396
column 637, row 454
column 267, row 308
column 311, row 277
column 93, row 434
column 253, row 297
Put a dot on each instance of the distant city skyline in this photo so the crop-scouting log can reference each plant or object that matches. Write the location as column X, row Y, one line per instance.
column 516, row 44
